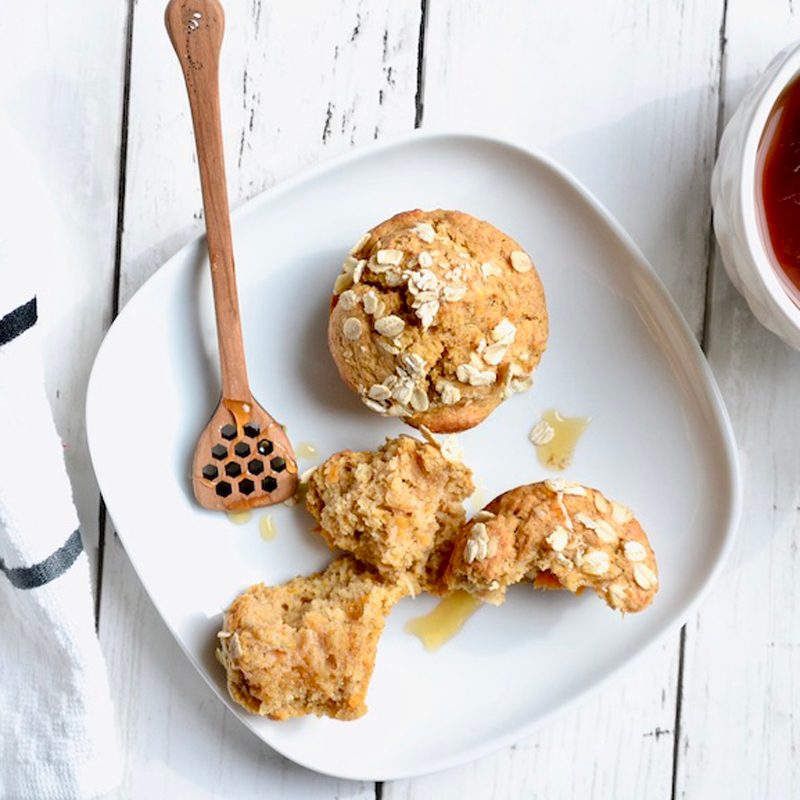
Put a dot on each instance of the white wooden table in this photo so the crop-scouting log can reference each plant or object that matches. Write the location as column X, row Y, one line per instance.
column 631, row 95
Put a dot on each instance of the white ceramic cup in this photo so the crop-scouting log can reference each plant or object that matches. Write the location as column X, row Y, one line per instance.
column 746, row 252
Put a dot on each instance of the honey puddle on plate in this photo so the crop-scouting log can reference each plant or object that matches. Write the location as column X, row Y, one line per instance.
column 557, row 451
column 306, row 450
column 267, row 528
column 445, row 621
column 239, row 517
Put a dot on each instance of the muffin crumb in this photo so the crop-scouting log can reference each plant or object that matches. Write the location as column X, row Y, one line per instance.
column 396, row 509
column 308, row 646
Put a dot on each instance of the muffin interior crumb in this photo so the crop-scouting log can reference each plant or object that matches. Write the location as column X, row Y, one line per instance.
column 396, row 509
column 309, row 645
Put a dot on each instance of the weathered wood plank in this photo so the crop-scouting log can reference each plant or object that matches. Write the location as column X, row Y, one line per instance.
column 625, row 95
column 301, row 81
column 739, row 729
column 616, row 745
column 61, row 90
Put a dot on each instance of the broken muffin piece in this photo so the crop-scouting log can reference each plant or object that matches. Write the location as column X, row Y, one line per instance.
column 555, row 533
column 397, row 508
column 309, row 645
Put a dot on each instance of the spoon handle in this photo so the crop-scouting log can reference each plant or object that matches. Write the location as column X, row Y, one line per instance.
column 195, row 28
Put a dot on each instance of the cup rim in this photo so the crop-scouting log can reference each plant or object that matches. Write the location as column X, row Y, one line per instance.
column 766, row 269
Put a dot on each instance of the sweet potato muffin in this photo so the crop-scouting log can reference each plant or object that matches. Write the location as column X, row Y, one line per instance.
column 308, row 646
column 436, row 318
column 396, row 509
column 558, row 534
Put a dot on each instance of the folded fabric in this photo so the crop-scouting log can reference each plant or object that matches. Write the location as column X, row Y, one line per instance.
column 57, row 737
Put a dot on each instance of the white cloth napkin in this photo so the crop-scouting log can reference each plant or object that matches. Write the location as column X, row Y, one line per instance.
column 57, row 737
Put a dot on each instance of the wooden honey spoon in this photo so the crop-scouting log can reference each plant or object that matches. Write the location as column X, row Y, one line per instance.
column 243, row 458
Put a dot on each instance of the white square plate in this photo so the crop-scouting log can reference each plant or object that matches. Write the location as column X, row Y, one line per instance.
column 619, row 352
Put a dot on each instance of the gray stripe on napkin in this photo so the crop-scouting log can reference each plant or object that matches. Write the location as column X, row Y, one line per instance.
column 52, row 567
column 18, row 321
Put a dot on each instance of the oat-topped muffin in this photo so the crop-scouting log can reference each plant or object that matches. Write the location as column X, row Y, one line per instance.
column 396, row 509
column 437, row 317
column 560, row 535
column 308, row 646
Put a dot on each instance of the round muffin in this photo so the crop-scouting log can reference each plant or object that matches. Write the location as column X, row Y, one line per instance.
column 436, row 318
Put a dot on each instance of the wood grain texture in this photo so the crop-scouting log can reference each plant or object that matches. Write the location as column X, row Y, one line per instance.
column 61, row 89
column 299, row 81
column 618, row 744
column 196, row 29
column 739, row 727
column 625, row 95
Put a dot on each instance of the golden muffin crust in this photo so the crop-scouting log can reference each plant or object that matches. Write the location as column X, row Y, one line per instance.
column 396, row 509
column 308, row 646
column 436, row 318
column 555, row 533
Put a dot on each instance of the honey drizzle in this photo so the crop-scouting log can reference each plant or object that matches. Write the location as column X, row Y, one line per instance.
column 240, row 411
column 559, row 451
column 444, row 621
column 306, row 450
column 239, row 517
column 267, row 528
